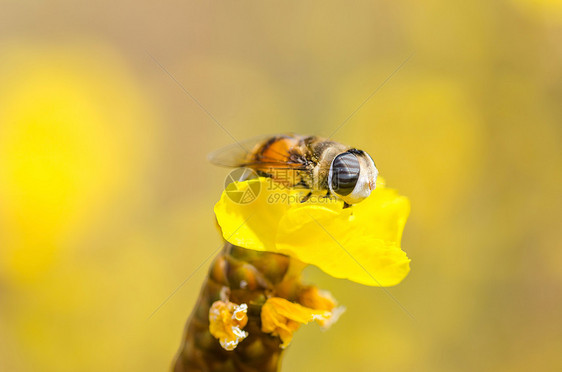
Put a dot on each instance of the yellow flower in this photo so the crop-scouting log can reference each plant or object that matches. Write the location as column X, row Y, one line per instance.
column 361, row 243
column 318, row 299
column 226, row 321
column 76, row 133
column 282, row 318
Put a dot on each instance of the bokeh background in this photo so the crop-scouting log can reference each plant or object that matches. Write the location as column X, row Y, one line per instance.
column 106, row 196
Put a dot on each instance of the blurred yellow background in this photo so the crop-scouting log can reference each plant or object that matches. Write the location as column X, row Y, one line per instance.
column 106, row 196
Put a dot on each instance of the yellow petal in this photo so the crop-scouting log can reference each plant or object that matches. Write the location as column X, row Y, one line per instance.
column 282, row 318
column 361, row 243
column 317, row 299
column 252, row 225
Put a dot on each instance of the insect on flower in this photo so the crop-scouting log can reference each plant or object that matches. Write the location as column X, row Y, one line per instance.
column 317, row 164
column 253, row 299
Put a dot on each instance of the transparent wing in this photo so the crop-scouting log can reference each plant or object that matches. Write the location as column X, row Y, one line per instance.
column 236, row 154
column 240, row 155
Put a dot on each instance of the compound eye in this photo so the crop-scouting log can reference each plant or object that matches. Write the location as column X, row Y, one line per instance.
column 345, row 173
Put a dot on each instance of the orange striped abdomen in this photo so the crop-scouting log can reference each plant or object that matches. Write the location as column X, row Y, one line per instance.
column 283, row 158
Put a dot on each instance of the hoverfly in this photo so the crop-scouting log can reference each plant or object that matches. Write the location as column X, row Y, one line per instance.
column 320, row 165
column 250, row 277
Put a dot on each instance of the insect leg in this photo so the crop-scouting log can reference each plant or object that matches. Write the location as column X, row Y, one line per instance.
column 326, row 195
column 306, row 197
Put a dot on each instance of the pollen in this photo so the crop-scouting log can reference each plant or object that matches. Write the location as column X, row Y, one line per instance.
column 226, row 323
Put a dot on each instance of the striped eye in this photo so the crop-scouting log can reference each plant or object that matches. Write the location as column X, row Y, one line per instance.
column 345, row 173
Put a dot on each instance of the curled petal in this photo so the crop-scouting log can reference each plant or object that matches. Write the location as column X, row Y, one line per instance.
column 282, row 318
column 318, row 299
column 226, row 321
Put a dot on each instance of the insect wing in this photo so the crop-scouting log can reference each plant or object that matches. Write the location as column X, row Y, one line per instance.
column 240, row 154
column 237, row 154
